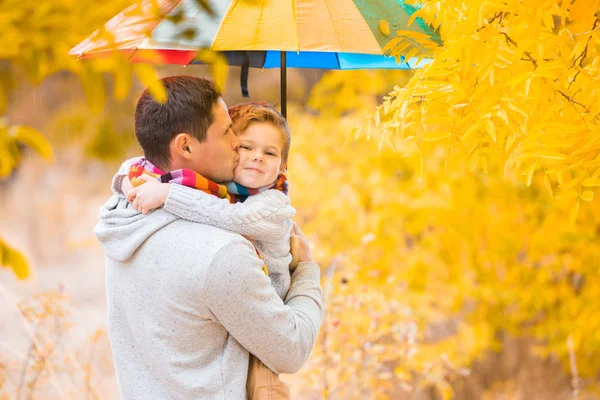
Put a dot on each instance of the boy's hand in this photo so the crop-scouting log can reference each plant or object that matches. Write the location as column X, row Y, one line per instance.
column 299, row 247
column 126, row 185
column 148, row 196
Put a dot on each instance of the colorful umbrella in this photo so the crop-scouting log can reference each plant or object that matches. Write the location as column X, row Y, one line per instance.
column 331, row 34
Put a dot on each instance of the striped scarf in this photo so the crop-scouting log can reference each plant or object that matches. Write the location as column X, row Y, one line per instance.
column 232, row 191
column 185, row 177
column 240, row 193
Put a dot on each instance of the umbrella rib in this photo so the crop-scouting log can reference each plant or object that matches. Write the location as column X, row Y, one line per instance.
column 262, row 7
column 296, row 24
column 334, row 27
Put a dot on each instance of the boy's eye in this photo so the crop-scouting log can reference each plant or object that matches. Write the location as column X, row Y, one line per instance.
column 270, row 154
column 245, row 147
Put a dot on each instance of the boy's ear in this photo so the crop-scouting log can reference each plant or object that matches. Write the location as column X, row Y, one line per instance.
column 283, row 167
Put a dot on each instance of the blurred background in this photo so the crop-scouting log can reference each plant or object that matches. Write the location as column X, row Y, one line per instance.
column 442, row 278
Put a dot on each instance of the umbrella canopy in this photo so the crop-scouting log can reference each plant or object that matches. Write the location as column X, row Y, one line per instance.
column 332, row 34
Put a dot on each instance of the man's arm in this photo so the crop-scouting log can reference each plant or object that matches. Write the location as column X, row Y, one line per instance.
column 240, row 295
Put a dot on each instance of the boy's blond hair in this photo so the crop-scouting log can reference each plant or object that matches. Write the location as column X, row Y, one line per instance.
column 244, row 114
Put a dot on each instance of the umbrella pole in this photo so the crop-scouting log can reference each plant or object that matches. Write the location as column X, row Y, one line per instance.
column 283, row 85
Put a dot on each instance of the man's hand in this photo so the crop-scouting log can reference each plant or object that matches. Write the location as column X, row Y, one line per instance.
column 299, row 247
column 150, row 195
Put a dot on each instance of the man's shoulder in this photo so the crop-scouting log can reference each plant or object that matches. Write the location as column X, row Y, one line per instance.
column 196, row 235
column 196, row 230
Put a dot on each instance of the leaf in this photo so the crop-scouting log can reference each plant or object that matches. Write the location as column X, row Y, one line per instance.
column 218, row 66
column 568, row 194
column 431, row 136
column 591, row 182
column 93, row 87
column 412, row 18
column 569, row 184
column 484, row 164
column 149, row 77
column 530, row 174
column 470, row 131
column 391, row 44
column 7, row 160
column 574, row 213
column 491, row 129
column 33, row 139
column 123, row 80
column 14, row 260
column 548, row 186
column 384, row 27
column 411, row 53
column 588, row 195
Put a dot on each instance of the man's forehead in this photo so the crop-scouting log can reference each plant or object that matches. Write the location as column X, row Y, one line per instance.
column 220, row 114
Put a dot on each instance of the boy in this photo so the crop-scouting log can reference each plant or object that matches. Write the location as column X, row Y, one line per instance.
column 262, row 215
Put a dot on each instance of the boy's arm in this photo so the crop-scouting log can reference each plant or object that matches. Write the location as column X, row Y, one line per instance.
column 121, row 173
column 265, row 216
column 242, row 299
column 277, row 258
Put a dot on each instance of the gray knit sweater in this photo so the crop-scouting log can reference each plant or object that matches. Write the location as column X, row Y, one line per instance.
column 187, row 302
column 265, row 219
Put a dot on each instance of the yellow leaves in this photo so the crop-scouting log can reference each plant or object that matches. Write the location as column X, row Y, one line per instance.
column 573, row 213
column 471, row 131
column 11, row 258
column 569, row 184
column 410, row 44
column 33, row 139
column 384, row 27
column 433, row 136
column 511, row 85
column 591, row 182
column 218, row 67
column 10, row 152
column 548, row 21
column 93, row 87
column 588, row 195
column 491, row 129
column 548, row 186
column 122, row 82
column 149, row 77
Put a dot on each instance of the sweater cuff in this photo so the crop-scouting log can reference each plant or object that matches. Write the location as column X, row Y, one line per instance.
column 308, row 270
column 179, row 200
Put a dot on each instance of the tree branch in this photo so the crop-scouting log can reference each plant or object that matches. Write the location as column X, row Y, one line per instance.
column 572, row 100
column 530, row 58
column 509, row 40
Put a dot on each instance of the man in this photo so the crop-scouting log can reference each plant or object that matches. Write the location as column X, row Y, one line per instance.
column 187, row 302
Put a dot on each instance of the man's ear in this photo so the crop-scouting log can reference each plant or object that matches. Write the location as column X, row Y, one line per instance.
column 182, row 145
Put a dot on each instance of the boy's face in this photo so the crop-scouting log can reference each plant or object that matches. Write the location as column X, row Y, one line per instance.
column 216, row 157
column 260, row 155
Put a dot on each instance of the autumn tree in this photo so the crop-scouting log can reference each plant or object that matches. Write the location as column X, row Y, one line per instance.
column 35, row 42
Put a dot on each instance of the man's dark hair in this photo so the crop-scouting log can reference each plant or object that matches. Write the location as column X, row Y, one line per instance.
column 189, row 109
